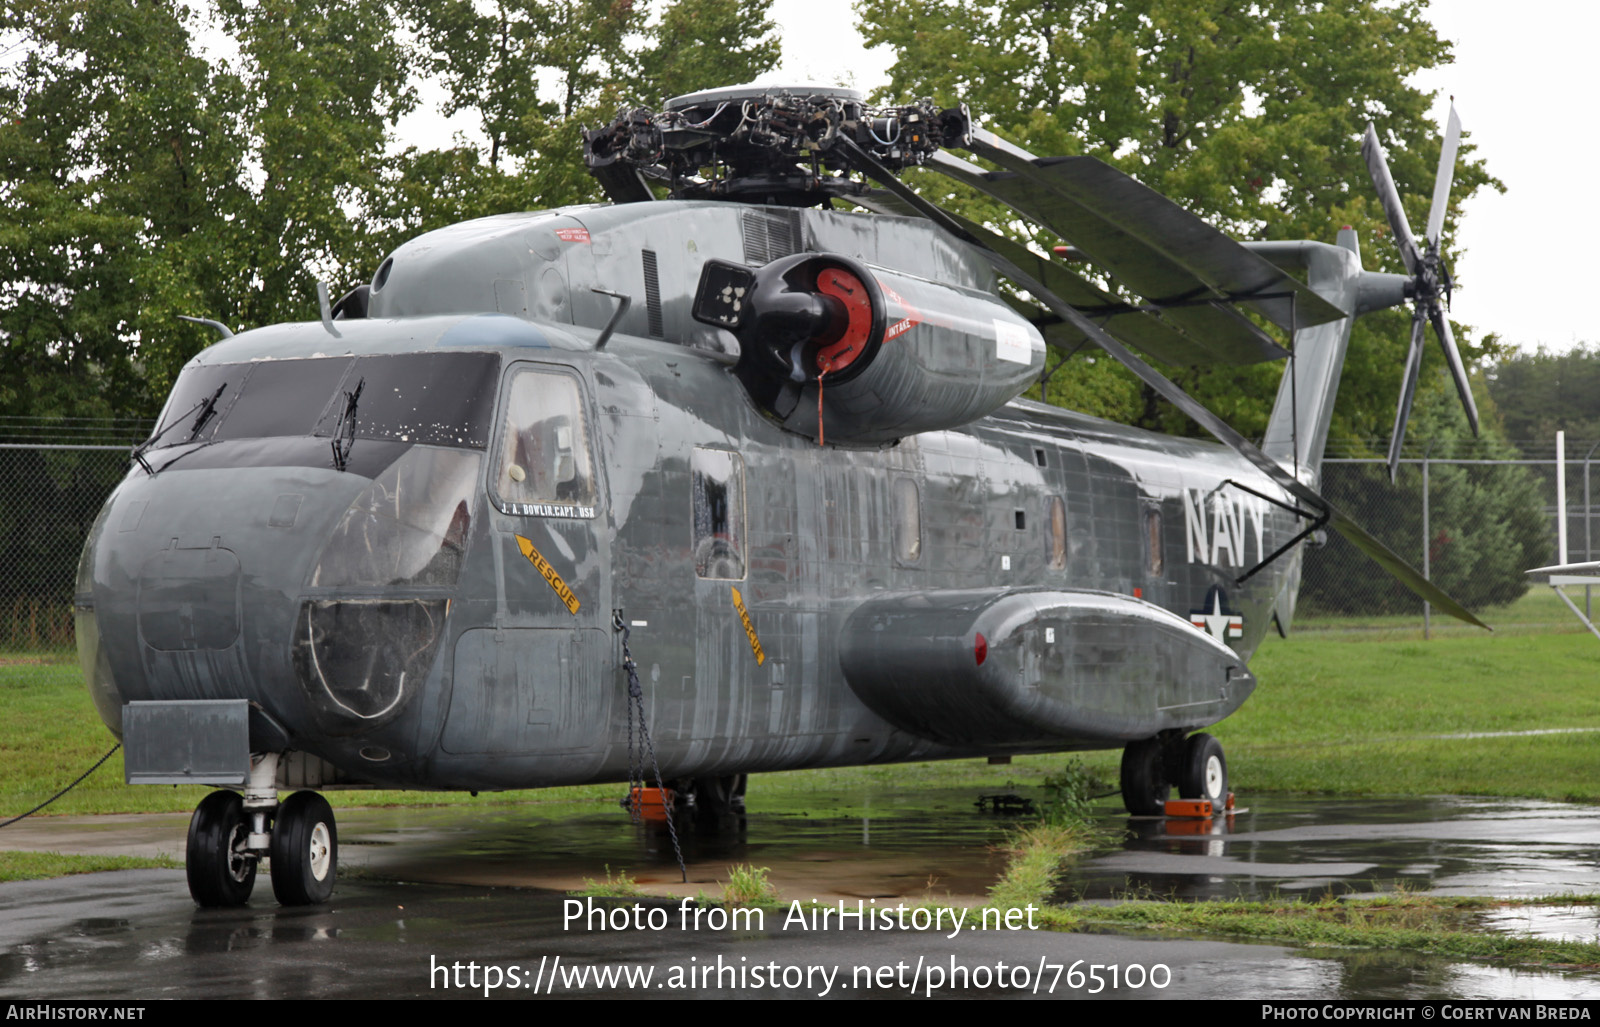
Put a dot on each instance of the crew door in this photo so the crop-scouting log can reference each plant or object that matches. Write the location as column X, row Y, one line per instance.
column 533, row 681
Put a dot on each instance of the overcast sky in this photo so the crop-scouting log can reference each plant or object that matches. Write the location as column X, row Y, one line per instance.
column 1523, row 81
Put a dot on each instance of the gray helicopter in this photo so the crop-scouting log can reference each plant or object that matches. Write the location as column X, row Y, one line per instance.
column 737, row 479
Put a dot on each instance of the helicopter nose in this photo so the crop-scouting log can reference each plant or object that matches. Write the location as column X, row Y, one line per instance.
column 192, row 583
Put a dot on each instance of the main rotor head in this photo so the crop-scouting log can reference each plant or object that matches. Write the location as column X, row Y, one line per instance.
column 764, row 144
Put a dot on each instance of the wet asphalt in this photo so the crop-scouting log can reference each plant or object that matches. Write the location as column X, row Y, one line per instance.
column 445, row 902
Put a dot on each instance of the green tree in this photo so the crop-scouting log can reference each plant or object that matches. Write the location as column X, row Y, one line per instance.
column 119, row 146
column 534, row 72
column 1249, row 115
column 1486, row 524
column 324, row 82
column 1541, row 393
column 702, row 44
column 119, row 149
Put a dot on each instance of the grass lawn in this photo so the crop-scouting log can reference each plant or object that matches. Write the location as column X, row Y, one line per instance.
column 1360, row 706
column 32, row 866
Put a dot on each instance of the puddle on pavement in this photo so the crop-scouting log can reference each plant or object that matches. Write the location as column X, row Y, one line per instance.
column 1309, row 846
column 1553, row 923
column 936, row 845
column 920, row 845
column 916, row 846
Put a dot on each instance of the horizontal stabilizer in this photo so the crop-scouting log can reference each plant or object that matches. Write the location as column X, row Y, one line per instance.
column 1574, row 569
column 1156, row 248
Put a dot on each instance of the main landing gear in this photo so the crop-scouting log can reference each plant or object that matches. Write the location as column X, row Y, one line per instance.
column 1151, row 766
column 230, row 833
column 717, row 803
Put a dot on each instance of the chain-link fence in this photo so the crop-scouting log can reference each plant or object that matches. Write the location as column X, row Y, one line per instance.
column 1473, row 515
column 54, row 477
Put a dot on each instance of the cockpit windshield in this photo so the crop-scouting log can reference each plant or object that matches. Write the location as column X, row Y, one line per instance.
column 438, row 399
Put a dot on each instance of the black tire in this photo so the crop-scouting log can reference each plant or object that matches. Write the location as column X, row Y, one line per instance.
column 1144, row 778
column 221, row 871
column 718, row 802
column 1205, row 770
column 305, row 850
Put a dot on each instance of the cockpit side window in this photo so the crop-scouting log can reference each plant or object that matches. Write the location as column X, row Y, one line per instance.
column 544, row 465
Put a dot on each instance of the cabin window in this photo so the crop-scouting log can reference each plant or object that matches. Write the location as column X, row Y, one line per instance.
column 544, row 454
column 717, row 484
column 1056, row 542
column 1152, row 542
column 907, row 521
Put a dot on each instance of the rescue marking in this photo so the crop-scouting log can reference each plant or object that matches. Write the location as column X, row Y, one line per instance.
column 549, row 574
column 749, row 629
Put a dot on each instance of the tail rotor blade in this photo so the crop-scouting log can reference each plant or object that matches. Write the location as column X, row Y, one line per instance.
column 1452, row 357
column 1408, row 392
column 1441, row 183
column 1389, row 196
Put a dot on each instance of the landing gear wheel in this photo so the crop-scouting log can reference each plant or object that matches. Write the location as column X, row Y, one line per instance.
column 305, row 850
column 1144, row 778
column 1205, row 771
column 718, row 803
column 221, row 870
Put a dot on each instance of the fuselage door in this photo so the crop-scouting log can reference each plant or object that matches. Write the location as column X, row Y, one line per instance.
column 545, row 492
column 531, row 681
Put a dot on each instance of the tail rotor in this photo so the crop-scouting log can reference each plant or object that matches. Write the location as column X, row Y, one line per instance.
column 1430, row 284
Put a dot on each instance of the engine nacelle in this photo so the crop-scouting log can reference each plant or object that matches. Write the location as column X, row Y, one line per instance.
column 839, row 351
column 1021, row 668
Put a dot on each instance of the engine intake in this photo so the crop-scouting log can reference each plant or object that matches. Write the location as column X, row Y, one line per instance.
column 836, row 350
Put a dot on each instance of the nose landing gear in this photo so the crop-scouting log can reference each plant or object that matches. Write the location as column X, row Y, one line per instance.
column 305, row 850
column 229, row 835
column 222, row 869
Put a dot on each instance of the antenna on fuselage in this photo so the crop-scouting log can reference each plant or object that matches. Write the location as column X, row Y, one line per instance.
column 222, row 329
column 327, row 309
column 623, row 303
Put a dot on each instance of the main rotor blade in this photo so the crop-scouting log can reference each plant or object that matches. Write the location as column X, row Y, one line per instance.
column 1339, row 521
column 1441, row 182
column 1154, row 334
column 1408, row 392
column 1403, row 572
column 1151, row 244
column 1389, row 196
column 1452, row 356
column 1144, row 330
